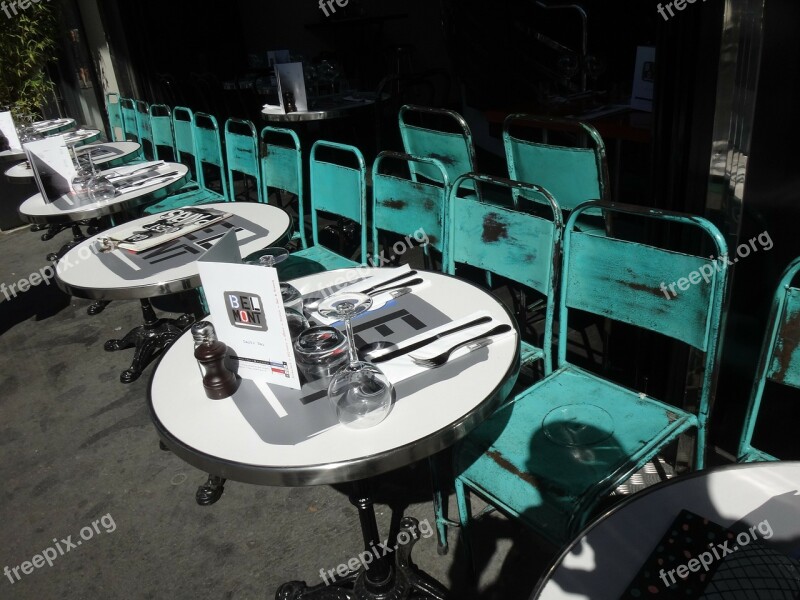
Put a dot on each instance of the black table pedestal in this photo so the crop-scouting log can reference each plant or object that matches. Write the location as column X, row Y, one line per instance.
column 77, row 238
column 392, row 575
column 150, row 340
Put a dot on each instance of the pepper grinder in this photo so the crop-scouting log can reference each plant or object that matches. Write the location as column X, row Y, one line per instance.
column 219, row 381
column 203, row 331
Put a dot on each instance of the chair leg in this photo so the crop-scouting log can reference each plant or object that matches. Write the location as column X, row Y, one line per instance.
column 464, row 515
column 439, row 503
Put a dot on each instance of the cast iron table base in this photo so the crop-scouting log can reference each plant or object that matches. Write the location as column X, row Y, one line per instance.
column 392, row 575
column 77, row 238
column 210, row 491
column 150, row 340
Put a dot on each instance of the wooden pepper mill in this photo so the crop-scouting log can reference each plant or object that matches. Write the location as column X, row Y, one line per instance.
column 219, row 381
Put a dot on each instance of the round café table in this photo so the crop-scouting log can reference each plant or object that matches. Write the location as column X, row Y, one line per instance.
column 14, row 154
column 601, row 563
column 69, row 208
column 322, row 108
column 85, row 272
column 104, row 154
column 52, row 126
column 79, row 137
column 283, row 437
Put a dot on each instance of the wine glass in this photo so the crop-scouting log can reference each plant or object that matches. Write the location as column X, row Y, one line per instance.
column 84, row 173
column 100, row 188
column 269, row 257
column 360, row 392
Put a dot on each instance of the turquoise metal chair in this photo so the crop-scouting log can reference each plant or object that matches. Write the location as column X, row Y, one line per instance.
column 520, row 246
column 241, row 153
column 451, row 144
column 130, row 123
column 206, row 156
column 403, row 206
column 550, row 455
column 161, row 130
column 145, row 129
column 115, row 122
column 282, row 170
column 339, row 190
column 572, row 167
column 779, row 361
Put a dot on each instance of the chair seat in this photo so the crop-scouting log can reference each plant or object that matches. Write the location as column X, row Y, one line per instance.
column 322, row 256
column 754, row 455
column 550, row 477
column 192, row 198
column 530, row 354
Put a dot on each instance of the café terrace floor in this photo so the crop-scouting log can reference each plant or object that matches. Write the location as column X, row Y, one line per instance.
column 77, row 445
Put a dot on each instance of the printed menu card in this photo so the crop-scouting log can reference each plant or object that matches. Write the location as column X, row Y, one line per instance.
column 247, row 308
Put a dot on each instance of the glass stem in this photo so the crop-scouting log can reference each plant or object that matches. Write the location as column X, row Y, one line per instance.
column 351, row 342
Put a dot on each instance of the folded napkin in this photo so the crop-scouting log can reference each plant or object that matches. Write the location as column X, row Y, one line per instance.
column 403, row 367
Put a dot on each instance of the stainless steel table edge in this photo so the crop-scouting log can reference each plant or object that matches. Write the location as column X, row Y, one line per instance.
column 108, row 209
column 362, row 468
column 138, row 292
column 598, row 521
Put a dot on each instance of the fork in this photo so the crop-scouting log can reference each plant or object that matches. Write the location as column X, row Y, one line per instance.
column 477, row 342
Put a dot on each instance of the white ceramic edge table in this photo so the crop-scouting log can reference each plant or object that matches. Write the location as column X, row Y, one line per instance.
column 325, row 107
column 605, row 558
column 22, row 173
column 83, row 275
column 445, row 405
column 66, row 209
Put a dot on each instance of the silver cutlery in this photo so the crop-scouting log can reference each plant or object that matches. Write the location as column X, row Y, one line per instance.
column 160, row 178
column 474, row 343
column 135, row 171
column 369, row 349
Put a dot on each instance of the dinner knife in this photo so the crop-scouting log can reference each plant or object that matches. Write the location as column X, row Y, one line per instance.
column 429, row 340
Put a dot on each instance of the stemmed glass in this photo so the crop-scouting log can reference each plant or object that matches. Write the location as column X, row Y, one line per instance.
column 360, row 392
column 84, row 173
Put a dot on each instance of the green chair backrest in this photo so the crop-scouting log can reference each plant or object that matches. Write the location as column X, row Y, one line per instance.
column 115, row 122
column 452, row 149
column 183, row 127
column 780, row 357
column 241, row 152
column 161, row 130
column 573, row 174
column 208, row 150
column 145, row 128
column 636, row 283
column 282, row 168
column 404, row 206
column 339, row 189
column 521, row 246
column 130, row 121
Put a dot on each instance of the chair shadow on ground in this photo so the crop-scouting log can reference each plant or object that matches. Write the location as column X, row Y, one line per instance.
column 41, row 301
column 530, row 555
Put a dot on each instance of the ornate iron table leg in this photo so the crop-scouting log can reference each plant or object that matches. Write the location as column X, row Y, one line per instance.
column 149, row 339
column 210, row 491
column 383, row 576
column 77, row 238
column 97, row 307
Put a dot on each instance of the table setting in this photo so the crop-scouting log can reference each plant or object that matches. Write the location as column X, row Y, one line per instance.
column 351, row 419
